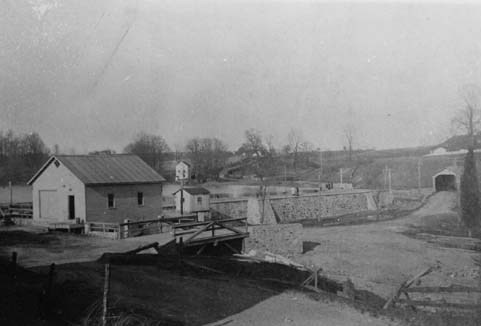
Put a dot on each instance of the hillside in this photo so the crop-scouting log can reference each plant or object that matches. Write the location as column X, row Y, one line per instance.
column 366, row 170
column 458, row 142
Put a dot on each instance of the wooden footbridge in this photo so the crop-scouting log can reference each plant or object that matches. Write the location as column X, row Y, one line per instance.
column 213, row 236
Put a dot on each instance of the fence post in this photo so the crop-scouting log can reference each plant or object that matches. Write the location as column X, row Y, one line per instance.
column 180, row 249
column 106, row 294
column 47, row 292
column 51, row 274
column 13, row 265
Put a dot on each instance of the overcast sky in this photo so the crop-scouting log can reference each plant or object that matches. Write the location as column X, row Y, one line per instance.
column 90, row 74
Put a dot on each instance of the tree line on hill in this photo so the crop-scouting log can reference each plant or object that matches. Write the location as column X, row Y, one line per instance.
column 20, row 156
column 209, row 156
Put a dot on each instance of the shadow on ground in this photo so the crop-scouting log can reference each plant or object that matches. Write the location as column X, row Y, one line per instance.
column 309, row 246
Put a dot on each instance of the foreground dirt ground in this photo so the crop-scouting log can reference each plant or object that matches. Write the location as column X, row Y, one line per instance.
column 377, row 257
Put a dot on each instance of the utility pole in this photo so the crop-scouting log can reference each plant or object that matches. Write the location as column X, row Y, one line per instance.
column 385, row 177
column 11, row 193
column 320, row 164
column 340, row 173
column 419, row 175
column 182, row 197
column 390, row 186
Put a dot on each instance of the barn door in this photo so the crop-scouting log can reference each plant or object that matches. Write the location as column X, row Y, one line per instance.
column 48, row 203
column 71, row 207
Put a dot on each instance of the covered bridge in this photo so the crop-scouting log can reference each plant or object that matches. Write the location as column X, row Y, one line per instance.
column 447, row 179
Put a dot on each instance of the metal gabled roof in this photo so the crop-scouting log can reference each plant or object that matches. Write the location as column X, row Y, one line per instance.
column 106, row 169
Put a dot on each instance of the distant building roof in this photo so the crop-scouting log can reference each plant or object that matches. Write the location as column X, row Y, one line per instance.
column 185, row 162
column 106, row 169
column 195, row 191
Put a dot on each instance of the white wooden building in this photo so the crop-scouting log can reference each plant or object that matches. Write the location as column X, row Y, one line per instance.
column 195, row 200
column 182, row 171
column 96, row 188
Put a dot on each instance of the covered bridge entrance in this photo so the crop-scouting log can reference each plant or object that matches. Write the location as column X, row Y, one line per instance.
column 447, row 179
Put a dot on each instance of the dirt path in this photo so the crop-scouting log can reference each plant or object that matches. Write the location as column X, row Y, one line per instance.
column 292, row 308
column 377, row 257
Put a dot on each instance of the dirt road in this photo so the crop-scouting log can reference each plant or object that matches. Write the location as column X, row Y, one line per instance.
column 293, row 308
column 378, row 257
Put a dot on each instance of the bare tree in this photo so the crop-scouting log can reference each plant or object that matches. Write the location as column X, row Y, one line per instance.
column 306, row 148
column 150, row 148
column 468, row 119
column 208, row 156
column 269, row 140
column 20, row 156
column 349, row 135
column 295, row 140
column 257, row 152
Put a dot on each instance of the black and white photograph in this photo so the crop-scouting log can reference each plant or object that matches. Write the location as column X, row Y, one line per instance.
column 240, row 162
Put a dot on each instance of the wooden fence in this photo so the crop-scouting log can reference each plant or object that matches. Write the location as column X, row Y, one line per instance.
column 138, row 228
column 17, row 210
column 230, row 228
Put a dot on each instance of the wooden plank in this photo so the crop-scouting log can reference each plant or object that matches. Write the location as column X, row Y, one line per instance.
column 229, row 228
column 404, row 285
column 200, row 250
column 440, row 304
column 231, row 248
column 106, row 294
column 202, row 241
column 142, row 248
column 183, row 232
column 185, row 225
column 201, row 230
column 189, row 263
column 446, row 289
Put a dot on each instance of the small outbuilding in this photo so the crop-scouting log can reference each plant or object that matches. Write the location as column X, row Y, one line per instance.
column 96, row 188
column 447, row 179
column 192, row 200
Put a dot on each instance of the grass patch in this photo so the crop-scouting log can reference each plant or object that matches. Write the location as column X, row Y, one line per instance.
column 23, row 238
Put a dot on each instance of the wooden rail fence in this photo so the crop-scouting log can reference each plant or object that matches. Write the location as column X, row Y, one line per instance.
column 17, row 210
column 139, row 228
column 203, row 233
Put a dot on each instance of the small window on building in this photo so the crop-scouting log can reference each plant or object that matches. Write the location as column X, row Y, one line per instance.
column 140, row 198
column 57, row 163
column 199, row 200
column 110, row 201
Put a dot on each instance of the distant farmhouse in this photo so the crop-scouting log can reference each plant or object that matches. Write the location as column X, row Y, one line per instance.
column 183, row 171
column 96, row 188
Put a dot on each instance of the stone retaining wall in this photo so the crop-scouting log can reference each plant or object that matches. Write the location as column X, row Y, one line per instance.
column 233, row 208
column 295, row 208
column 281, row 239
column 317, row 207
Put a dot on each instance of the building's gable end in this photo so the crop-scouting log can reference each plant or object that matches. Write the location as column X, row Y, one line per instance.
column 40, row 171
column 51, row 166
